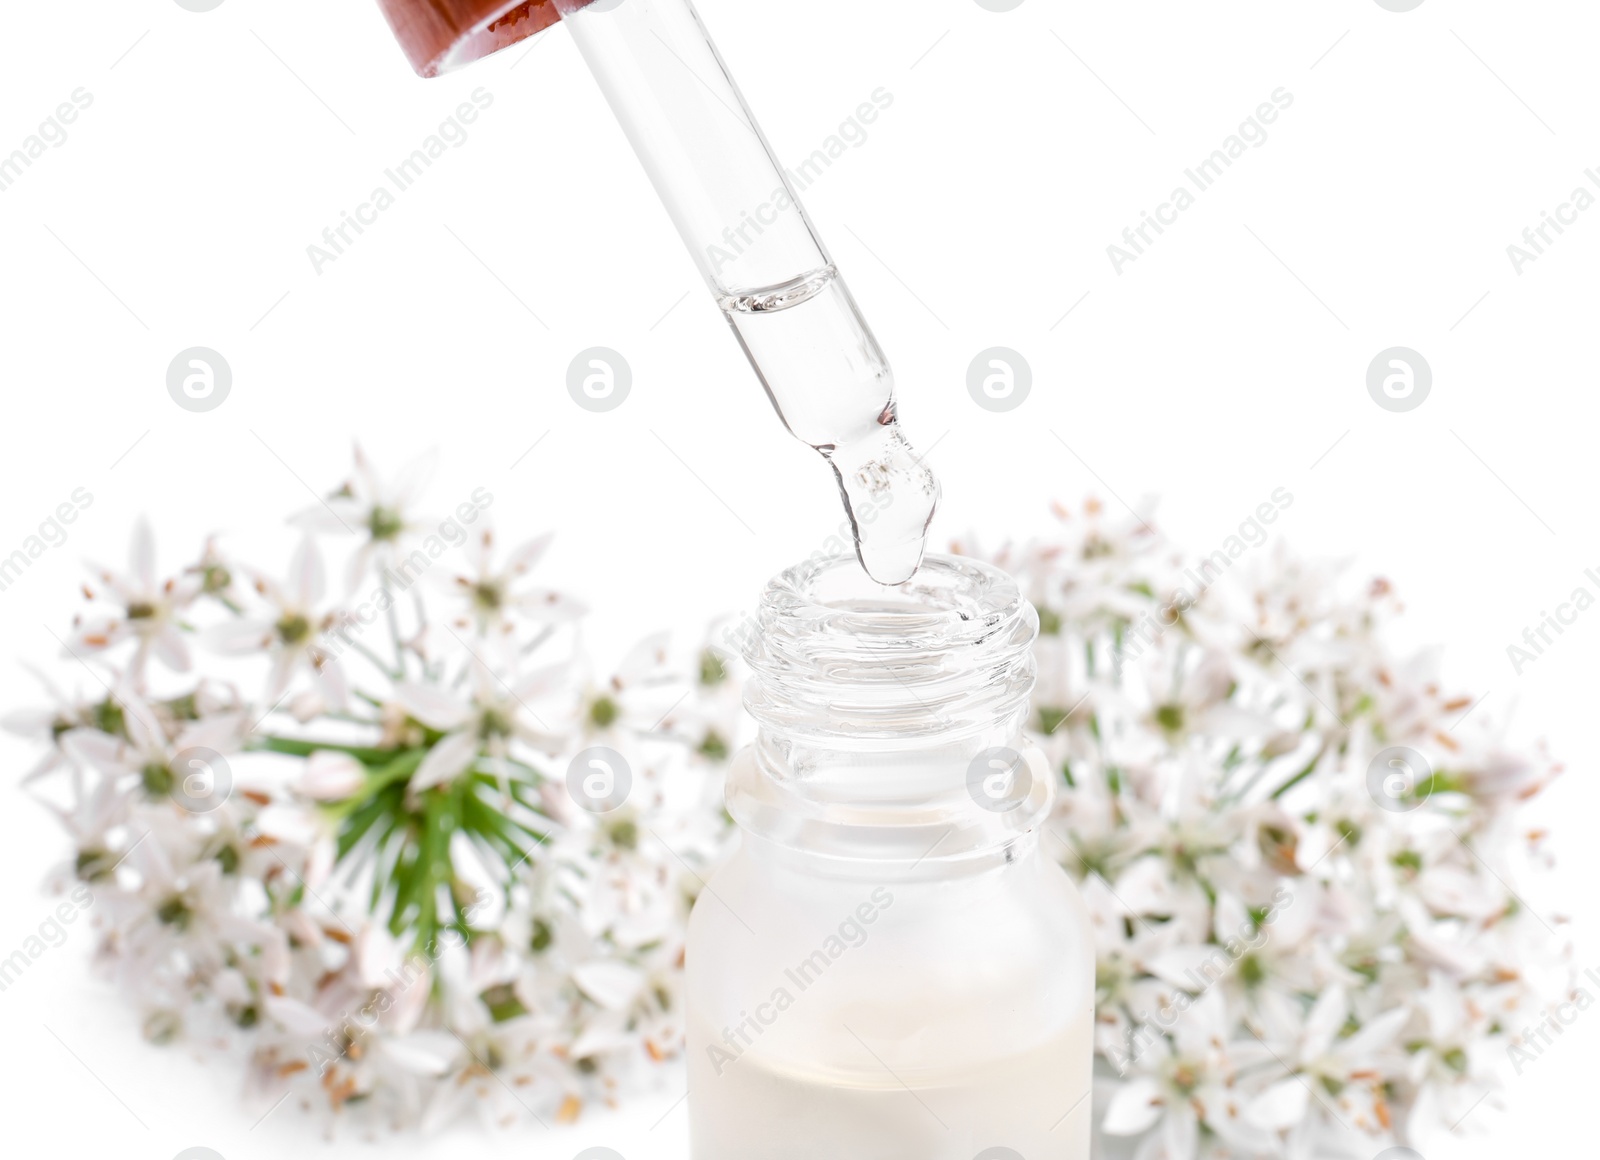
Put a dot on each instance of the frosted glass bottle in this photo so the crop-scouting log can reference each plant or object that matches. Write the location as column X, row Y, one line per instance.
column 890, row 968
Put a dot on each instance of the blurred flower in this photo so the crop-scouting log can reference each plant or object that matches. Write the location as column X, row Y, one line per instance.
column 147, row 610
column 291, row 631
column 403, row 914
column 492, row 598
column 1216, row 755
column 380, row 513
column 487, row 720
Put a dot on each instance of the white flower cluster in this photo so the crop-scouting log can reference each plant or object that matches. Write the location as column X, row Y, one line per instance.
column 1296, row 849
column 360, row 855
column 381, row 867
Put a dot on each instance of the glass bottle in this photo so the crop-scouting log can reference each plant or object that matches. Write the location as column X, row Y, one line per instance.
column 890, row 968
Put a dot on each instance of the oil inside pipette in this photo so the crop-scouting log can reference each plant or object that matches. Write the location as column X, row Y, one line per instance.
column 882, row 475
column 831, row 385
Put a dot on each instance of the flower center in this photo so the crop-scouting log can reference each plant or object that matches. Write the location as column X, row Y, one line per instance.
column 604, row 712
column 175, row 912
column 108, row 717
column 385, row 524
column 712, row 669
column 714, row 746
column 492, row 724
column 1251, row 972
column 293, row 629
column 157, row 779
column 625, row 835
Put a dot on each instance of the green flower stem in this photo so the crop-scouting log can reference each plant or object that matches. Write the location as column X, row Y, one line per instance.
column 1310, row 768
column 343, row 715
column 407, row 836
column 378, row 662
column 398, row 769
column 296, row 747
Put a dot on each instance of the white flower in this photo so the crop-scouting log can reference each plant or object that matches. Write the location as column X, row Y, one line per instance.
column 147, row 610
column 380, row 512
column 497, row 713
column 1188, row 1080
column 634, row 699
column 492, row 596
column 1285, row 970
column 97, row 822
column 291, row 631
column 46, row 726
column 146, row 755
column 540, row 965
column 1217, row 757
column 1338, row 1073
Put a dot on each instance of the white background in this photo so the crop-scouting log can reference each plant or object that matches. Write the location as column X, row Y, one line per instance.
column 1223, row 364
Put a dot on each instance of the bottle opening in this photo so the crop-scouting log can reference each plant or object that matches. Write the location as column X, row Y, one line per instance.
column 949, row 652
column 891, row 717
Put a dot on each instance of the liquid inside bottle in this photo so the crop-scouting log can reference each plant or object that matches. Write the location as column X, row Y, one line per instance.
column 1029, row 1101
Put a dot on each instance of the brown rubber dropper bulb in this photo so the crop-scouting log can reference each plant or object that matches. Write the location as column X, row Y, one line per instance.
column 440, row 35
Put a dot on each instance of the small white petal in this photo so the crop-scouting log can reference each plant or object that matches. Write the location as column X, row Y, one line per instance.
column 1327, row 1018
column 142, row 555
column 298, row 1018
column 307, row 580
column 428, row 1053
column 1281, row 1106
column 330, row 776
column 1134, row 1109
column 613, row 985
column 432, row 706
column 239, row 637
column 527, row 557
column 445, row 762
column 1182, row 1131
column 377, row 957
column 412, row 479
column 644, row 658
column 170, row 647
column 101, row 752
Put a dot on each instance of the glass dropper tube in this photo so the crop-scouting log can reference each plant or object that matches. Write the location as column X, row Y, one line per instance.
column 759, row 253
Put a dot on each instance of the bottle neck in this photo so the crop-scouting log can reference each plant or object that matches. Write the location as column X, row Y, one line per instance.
column 891, row 720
